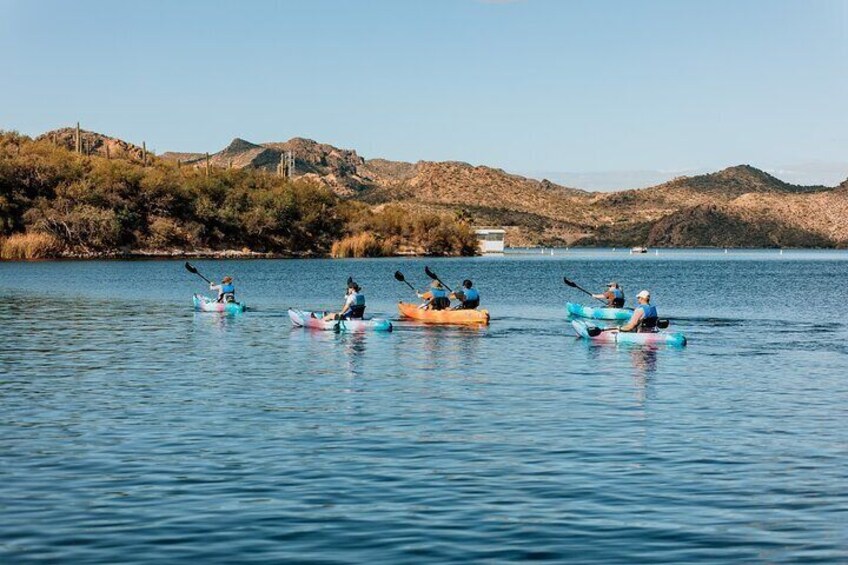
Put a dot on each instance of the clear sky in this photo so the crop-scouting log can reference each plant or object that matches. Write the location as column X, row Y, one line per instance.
column 530, row 86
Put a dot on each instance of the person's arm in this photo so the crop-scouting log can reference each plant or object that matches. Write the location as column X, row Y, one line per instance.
column 215, row 287
column 634, row 320
column 427, row 297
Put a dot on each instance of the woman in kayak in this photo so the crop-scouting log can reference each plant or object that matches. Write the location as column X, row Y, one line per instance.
column 354, row 305
column 226, row 291
column 644, row 316
column 469, row 297
column 436, row 298
column 613, row 295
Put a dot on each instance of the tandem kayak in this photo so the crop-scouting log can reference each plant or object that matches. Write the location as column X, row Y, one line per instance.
column 206, row 304
column 581, row 311
column 585, row 331
column 412, row 311
column 315, row 320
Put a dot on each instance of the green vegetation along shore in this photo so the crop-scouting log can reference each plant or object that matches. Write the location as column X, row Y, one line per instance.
column 55, row 202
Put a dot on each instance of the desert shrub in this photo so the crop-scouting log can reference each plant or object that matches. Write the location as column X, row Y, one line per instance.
column 30, row 246
column 365, row 244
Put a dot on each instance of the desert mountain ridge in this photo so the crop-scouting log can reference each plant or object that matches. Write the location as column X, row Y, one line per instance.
column 739, row 206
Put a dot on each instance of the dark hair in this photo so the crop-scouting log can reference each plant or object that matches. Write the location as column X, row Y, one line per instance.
column 467, row 283
column 354, row 286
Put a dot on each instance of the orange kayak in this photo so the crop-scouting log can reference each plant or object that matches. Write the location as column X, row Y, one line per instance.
column 443, row 316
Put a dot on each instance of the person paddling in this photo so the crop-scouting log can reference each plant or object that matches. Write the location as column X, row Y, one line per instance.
column 436, row 298
column 468, row 296
column 614, row 295
column 354, row 304
column 645, row 317
column 226, row 290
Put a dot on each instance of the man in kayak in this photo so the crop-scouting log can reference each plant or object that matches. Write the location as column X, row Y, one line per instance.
column 436, row 298
column 469, row 297
column 226, row 291
column 644, row 316
column 354, row 305
column 613, row 295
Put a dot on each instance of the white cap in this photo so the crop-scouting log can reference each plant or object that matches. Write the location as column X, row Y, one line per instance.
column 643, row 294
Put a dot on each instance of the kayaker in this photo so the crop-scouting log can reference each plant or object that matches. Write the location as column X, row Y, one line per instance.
column 354, row 305
column 226, row 291
column 469, row 297
column 614, row 295
column 644, row 316
column 436, row 298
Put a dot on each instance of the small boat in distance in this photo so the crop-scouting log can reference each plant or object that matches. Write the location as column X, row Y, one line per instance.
column 638, row 250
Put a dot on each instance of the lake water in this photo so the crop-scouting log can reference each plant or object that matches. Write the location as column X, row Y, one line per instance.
column 135, row 430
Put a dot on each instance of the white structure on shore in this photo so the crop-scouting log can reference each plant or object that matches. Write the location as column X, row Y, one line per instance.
column 491, row 240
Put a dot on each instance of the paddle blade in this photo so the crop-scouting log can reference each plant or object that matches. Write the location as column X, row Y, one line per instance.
column 190, row 268
column 572, row 284
column 399, row 276
column 430, row 273
column 662, row 324
column 593, row 331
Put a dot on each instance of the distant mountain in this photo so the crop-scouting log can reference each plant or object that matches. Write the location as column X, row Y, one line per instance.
column 737, row 206
column 93, row 143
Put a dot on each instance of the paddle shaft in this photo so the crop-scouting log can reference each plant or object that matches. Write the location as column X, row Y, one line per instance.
column 192, row 269
column 434, row 276
column 580, row 288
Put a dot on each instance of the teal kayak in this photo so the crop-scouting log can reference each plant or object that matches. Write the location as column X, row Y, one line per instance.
column 612, row 335
column 206, row 304
column 581, row 311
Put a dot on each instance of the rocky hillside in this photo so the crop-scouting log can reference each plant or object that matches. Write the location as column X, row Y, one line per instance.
column 737, row 206
column 93, row 143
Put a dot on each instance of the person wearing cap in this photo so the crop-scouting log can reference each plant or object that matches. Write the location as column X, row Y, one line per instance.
column 226, row 291
column 644, row 316
column 354, row 304
column 436, row 298
column 613, row 295
column 469, row 298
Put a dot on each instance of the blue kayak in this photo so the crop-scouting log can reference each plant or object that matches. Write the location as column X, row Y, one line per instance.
column 581, row 311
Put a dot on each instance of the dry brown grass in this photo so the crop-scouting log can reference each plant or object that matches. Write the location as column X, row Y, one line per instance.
column 30, row 246
column 364, row 244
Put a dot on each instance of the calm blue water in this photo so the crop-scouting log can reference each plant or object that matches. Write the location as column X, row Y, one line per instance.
column 134, row 430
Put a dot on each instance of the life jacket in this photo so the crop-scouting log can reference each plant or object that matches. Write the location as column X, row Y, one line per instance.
column 617, row 298
column 357, row 308
column 471, row 299
column 649, row 317
column 440, row 300
column 227, row 293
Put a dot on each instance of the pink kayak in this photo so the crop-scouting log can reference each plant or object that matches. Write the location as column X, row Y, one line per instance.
column 315, row 320
column 612, row 335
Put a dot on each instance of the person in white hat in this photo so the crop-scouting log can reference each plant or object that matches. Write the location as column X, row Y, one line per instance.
column 644, row 316
column 614, row 295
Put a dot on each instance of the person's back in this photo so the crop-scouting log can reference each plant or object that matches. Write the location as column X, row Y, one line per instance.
column 616, row 300
column 356, row 309
column 226, row 290
column 469, row 297
column 436, row 298
column 650, row 317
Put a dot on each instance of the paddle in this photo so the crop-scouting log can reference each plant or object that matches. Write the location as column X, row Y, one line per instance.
column 573, row 284
column 191, row 269
column 399, row 277
column 435, row 277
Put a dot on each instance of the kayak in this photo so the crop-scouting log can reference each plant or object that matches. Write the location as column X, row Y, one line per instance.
column 315, row 320
column 581, row 311
column 206, row 304
column 614, row 336
column 443, row 316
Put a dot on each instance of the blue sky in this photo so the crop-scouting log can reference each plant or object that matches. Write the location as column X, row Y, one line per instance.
column 534, row 86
